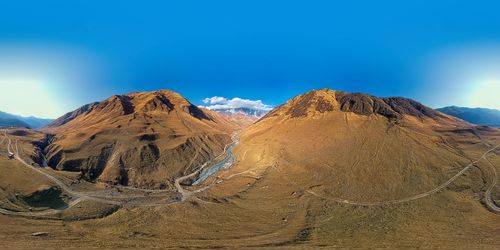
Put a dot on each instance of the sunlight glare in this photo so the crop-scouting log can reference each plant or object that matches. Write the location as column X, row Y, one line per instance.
column 486, row 94
column 27, row 97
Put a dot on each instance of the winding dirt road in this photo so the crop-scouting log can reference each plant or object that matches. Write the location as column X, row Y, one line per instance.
column 488, row 200
column 185, row 194
column 105, row 196
column 487, row 195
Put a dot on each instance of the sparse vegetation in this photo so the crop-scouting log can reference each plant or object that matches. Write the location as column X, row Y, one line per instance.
column 295, row 169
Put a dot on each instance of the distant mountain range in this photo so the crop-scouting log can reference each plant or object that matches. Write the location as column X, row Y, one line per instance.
column 481, row 116
column 323, row 163
column 7, row 119
column 256, row 113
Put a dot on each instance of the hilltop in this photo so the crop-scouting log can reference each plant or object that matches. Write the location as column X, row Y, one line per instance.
column 142, row 139
column 325, row 169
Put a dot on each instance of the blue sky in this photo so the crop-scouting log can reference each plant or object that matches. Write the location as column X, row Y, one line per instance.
column 58, row 55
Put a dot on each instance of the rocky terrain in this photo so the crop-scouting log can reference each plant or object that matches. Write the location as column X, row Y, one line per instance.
column 354, row 143
column 242, row 120
column 137, row 139
column 327, row 169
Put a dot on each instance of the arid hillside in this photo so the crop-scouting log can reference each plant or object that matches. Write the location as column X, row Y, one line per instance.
column 325, row 170
column 355, row 146
column 142, row 139
column 358, row 170
column 242, row 120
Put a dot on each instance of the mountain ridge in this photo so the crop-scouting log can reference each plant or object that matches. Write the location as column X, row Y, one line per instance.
column 481, row 116
column 141, row 138
column 7, row 119
column 322, row 169
column 326, row 100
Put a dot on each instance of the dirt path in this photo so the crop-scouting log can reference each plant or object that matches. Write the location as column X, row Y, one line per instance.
column 105, row 196
column 488, row 200
column 487, row 195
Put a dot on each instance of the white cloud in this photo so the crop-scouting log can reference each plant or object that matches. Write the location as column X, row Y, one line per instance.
column 215, row 100
column 222, row 103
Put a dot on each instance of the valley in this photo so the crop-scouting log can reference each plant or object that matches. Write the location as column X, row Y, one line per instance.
column 137, row 197
column 320, row 170
column 249, row 125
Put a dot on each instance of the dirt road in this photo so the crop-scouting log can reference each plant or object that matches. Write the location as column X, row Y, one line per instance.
column 108, row 196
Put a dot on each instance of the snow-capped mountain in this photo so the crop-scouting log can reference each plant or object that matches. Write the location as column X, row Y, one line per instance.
column 244, row 111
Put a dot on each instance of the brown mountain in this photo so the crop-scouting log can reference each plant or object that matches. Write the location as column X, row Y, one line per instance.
column 326, row 100
column 141, row 139
column 327, row 169
column 341, row 166
column 353, row 142
column 241, row 119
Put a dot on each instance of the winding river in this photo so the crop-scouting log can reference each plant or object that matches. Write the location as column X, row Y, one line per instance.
column 227, row 162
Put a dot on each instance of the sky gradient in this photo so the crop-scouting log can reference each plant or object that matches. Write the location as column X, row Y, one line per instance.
column 58, row 55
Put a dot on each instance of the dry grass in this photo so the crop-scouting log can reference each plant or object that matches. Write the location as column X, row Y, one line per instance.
column 263, row 201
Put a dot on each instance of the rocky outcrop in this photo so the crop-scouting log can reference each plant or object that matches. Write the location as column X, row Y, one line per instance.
column 142, row 139
column 411, row 107
column 326, row 100
column 45, row 196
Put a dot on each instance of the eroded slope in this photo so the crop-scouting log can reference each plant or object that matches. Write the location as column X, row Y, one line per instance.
column 141, row 139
